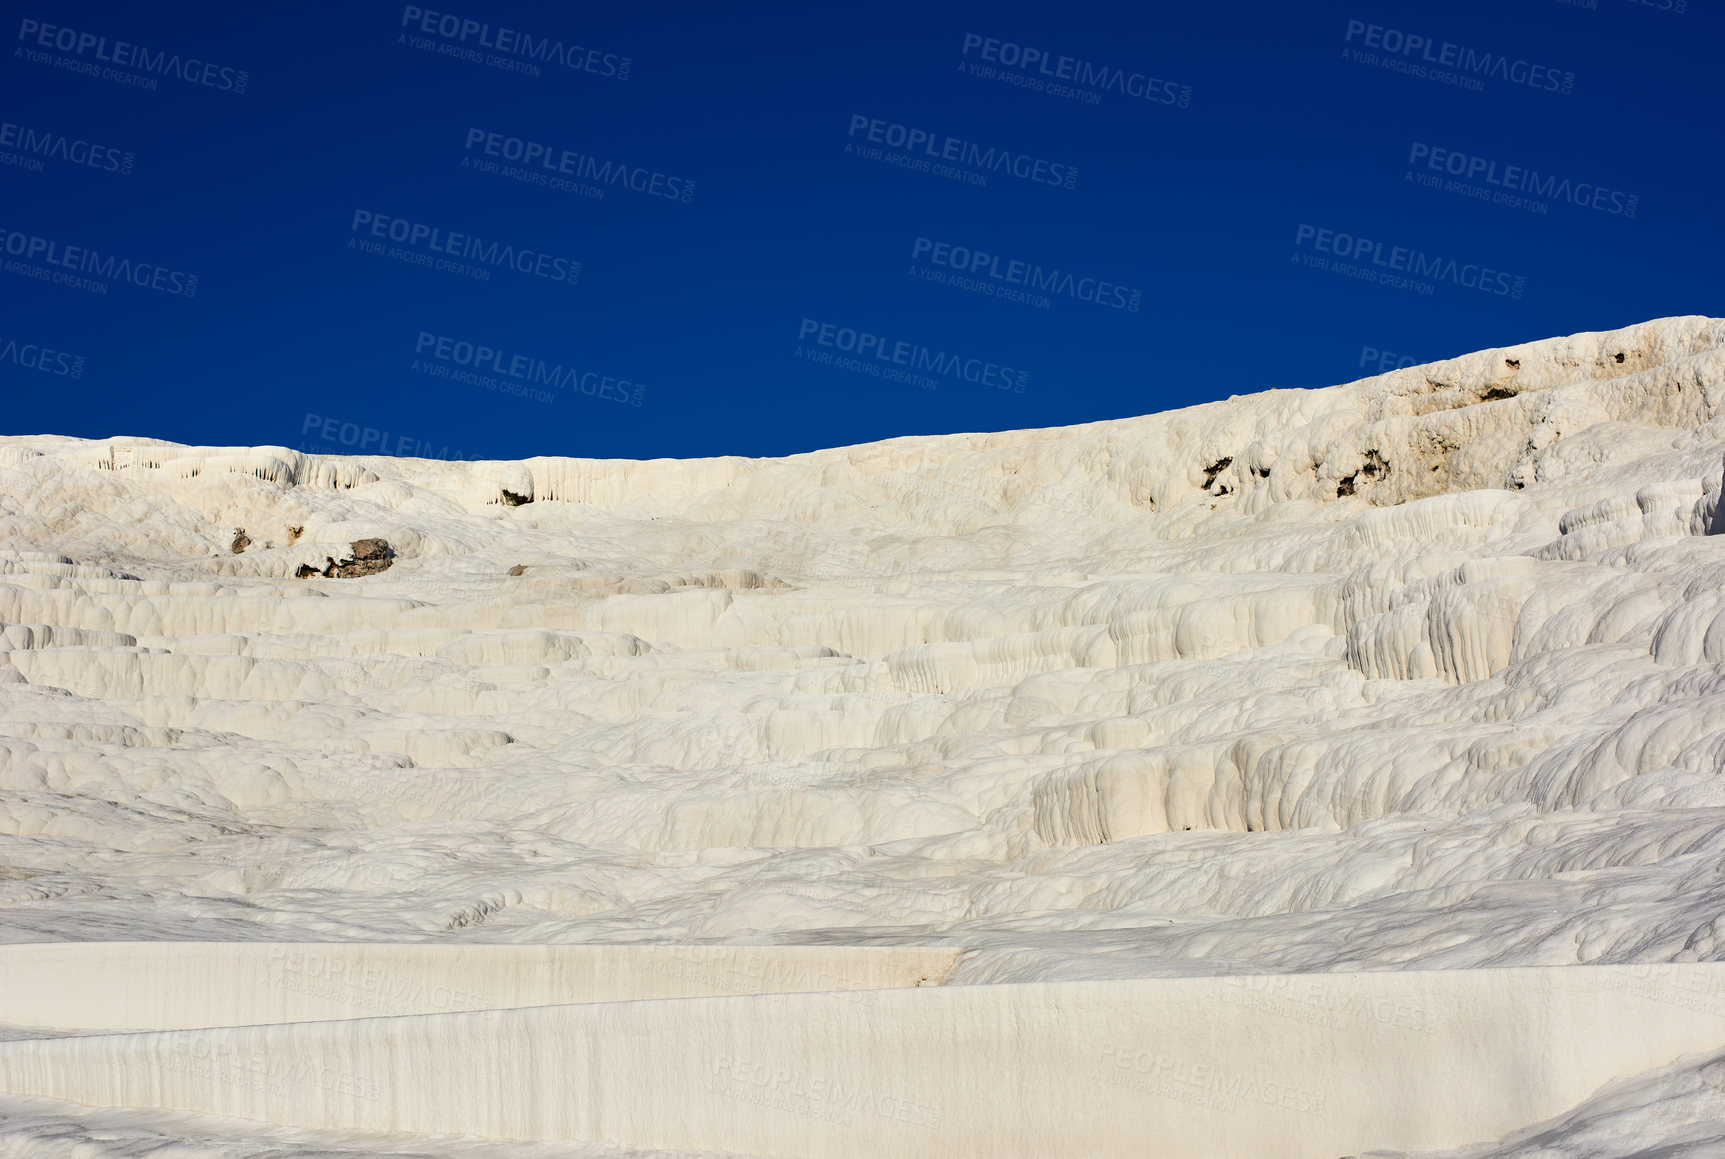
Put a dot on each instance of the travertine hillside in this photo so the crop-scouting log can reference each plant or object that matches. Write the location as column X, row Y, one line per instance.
column 1419, row 671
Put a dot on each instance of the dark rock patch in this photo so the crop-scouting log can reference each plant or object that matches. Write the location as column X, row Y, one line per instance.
column 369, row 556
column 1373, row 469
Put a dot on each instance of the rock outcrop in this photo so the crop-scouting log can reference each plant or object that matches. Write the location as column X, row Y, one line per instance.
column 367, row 557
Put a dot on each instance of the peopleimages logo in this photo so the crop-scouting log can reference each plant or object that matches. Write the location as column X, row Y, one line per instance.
column 508, row 43
column 33, row 144
column 435, row 240
column 1386, row 360
column 873, row 351
column 1049, row 69
column 783, row 1087
column 134, row 56
column 35, row 356
column 935, row 148
column 352, row 436
column 1027, row 275
column 1511, row 180
column 1401, row 50
column 79, row 260
column 1390, row 266
column 479, row 358
column 554, row 162
column 1216, row 1087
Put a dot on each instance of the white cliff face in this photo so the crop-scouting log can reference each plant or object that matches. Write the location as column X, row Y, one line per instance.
column 1422, row 671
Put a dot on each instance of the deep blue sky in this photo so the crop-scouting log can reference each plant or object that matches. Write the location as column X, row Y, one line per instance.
column 294, row 337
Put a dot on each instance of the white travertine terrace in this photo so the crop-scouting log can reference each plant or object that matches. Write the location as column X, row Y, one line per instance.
column 1424, row 672
column 197, row 985
column 1203, row 1066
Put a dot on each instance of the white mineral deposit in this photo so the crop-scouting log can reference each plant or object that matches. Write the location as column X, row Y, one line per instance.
column 1314, row 773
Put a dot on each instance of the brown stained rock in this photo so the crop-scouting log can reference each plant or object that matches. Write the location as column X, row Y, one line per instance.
column 241, row 540
column 518, row 569
column 368, row 557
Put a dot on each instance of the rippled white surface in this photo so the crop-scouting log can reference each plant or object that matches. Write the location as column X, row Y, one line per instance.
column 1423, row 670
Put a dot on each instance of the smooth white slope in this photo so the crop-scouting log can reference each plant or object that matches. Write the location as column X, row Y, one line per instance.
column 1677, row 1110
column 1205, row 1067
column 1137, row 698
column 88, row 986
